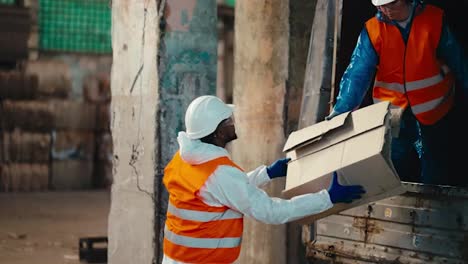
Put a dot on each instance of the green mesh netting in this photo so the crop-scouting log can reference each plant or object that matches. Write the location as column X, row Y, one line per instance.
column 75, row 25
column 230, row 2
column 7, row 2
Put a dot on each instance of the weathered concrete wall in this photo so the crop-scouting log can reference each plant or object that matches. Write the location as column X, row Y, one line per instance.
column 261, row 72
column 134, row 106
column 187, row 69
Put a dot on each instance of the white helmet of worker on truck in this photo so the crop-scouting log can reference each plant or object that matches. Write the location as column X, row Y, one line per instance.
column 381, row 2
column 204, row 115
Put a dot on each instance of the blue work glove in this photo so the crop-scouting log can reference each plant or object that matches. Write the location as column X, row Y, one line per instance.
column 278, row 168
column 344, row 193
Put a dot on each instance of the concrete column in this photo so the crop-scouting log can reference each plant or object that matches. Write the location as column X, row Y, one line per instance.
column 134, row 81
column 187, row 69
column 260, row 75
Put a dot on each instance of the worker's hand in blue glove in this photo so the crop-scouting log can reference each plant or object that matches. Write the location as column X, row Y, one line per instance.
column 344, row 193
column 278, row 168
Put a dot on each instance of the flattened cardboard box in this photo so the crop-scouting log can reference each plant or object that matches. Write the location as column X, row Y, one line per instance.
column 356, row 145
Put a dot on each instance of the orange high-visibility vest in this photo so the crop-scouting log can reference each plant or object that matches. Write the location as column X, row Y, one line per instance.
column 411, row 74
column 196, row 232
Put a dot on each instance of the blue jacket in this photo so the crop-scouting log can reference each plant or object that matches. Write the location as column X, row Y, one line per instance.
column 359, row 74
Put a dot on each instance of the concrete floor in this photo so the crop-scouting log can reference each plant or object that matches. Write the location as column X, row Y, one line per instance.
column 46, row 227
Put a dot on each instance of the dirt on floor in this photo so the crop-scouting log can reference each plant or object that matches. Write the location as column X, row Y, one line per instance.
column 45, row 228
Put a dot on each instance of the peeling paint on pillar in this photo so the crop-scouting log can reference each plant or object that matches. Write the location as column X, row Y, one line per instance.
column 187, row 69
column 188, row 60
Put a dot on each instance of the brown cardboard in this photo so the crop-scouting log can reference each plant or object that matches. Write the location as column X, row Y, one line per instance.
column 356, row 145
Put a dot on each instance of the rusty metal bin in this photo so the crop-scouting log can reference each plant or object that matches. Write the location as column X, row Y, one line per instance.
column 427, row 224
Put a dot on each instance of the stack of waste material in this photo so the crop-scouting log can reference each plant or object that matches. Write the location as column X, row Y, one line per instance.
column 25, row 142
column 25, row 161
column 47, row 140
column 97, row 92
column 17, row 85
column 20, row 85
column 28, row 115
column 54, row 78
column 73, row 158
column 15, row 28
column 72, row 133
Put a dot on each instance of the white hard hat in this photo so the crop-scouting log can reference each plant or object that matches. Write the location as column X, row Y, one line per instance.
column 204, row 115
column 381, row 2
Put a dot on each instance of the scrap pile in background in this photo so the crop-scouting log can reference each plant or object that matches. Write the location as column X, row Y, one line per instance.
column 49, row 141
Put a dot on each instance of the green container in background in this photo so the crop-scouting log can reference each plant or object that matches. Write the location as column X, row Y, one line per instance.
column 75, row 26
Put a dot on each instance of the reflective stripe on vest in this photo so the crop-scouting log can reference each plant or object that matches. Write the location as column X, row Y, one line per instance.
column 415, row 85
column 425, row 107
column 201, row 242
column 418, row 85
column 196, row 232
column 409, row 73
column 202, row 216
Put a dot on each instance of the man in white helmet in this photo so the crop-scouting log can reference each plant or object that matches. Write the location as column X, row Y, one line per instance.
column 209, row 194
column 415, row 59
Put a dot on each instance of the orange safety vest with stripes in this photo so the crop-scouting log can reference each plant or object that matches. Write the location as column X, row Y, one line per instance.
column 411, row 74
column 196, row 232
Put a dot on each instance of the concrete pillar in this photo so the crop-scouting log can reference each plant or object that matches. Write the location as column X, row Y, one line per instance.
column 134, row 81
column 261, row 72
column 188, row 59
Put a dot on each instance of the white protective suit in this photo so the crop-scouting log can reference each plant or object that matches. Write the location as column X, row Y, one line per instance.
column 239, row 191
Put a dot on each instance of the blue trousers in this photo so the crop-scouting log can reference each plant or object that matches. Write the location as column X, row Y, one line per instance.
column 432, row 144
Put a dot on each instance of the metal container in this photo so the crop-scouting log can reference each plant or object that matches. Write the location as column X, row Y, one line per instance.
column 427, row 224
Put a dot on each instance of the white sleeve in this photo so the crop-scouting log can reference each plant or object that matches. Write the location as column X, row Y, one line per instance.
column 258, row 177
column 231, row 187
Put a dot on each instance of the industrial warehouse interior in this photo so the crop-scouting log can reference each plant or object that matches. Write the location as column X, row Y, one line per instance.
column 93, row 100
